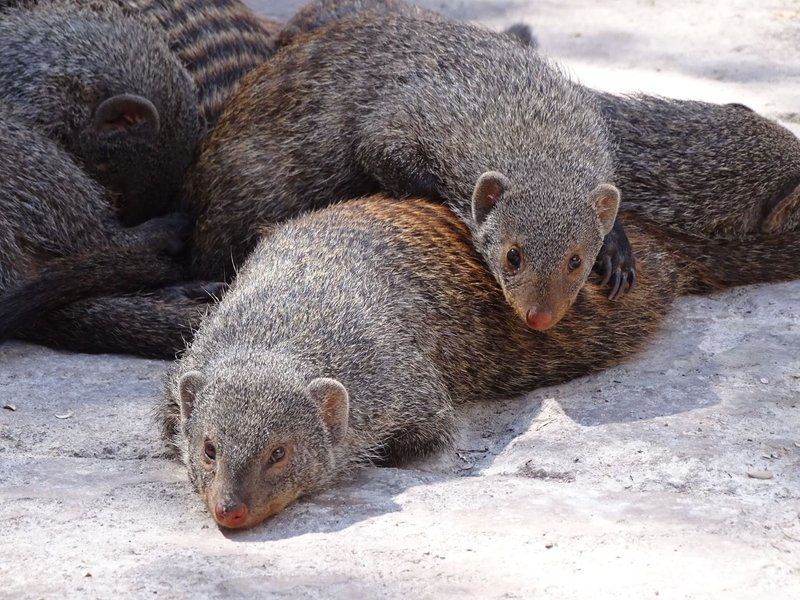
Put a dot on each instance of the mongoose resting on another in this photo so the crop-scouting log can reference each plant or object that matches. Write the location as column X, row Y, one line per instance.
column 319, row 13
column 109, row 90
column 674, row 159
column 353, row 333
column 704, row 168
column 420, row 107
column 61, row 241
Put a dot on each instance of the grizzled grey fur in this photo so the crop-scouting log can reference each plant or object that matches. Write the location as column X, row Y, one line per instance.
column 109, row 90
column 416, row 107
column 706, row 168
column 60, row 239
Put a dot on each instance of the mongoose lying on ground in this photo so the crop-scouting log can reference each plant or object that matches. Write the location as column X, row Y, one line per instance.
column 108, row 89
column 60, row 239
column 353, row 333
column 421, row 107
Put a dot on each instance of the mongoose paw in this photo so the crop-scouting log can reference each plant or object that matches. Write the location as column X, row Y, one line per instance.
column 196, row 291
column 616, row 263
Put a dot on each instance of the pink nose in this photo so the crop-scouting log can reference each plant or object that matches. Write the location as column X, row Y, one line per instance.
column 231, row 514
column 539, row 319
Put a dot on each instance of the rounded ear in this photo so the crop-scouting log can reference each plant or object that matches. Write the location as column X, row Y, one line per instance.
column 189, row 385
column 605, row 199
column 334, row 405
column 488, row 191
column 127, row 113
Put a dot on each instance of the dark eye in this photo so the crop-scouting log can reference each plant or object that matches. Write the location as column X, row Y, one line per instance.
column 277, row 455
column 514, row 258
column 210, row 450
column 574, row 262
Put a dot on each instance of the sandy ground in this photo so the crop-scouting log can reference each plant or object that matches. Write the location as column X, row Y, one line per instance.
column 635, row 483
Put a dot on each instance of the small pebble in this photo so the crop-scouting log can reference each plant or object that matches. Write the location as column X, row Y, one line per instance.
column 549, row 545
column 68, row 415
column 9, row 407
column 764, row 380
column 759, row 475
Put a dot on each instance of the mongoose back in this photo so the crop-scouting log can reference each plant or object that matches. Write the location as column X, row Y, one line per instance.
column 60, row 239
column 704, row 168
column 109, row 90
column 420, row 107
column 353, row 333
column 319, row 13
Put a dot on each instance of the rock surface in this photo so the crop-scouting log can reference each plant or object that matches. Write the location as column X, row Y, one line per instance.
column 647, row 480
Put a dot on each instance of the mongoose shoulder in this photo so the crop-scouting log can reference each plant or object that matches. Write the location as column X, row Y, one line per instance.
column 109, row 90
column 705, row 168
column 420, row 107
column 352, row 334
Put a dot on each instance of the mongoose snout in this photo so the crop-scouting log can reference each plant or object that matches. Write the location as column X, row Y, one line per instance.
column 231, row 513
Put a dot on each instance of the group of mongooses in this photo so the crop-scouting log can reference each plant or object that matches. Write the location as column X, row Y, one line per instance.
column 491, row 226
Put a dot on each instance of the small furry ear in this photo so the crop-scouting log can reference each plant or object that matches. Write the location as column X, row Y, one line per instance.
column 606, row 199
column 488, row 191
column 127, row 112
column 189, row 385
column 334, row 405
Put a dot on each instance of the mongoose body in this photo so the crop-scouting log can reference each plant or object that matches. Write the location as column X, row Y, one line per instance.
column 419, row 107
column 704, row 168
column 61, row 241
column 353, row 333
column 107, row 88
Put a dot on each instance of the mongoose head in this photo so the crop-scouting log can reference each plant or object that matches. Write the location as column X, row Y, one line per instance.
column 539, row 253
column 107, row 87
column 254, row 442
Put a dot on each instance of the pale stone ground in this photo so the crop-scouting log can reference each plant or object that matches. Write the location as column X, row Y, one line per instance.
column 630, row 484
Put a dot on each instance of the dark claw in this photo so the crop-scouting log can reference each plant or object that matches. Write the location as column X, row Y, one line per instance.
column 617, row 280
column 616, row 263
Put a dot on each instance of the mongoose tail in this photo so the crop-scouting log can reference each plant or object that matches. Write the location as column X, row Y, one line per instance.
column 141, row 264
column 155, row 324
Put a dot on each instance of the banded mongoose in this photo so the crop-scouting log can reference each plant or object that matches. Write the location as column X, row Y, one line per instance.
column 705, row 168
column 109, row 90
column 60, row 239
column 674, row 159
column 318, row 13
column 421, row 107
column 353, row 334
column 217, row 41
